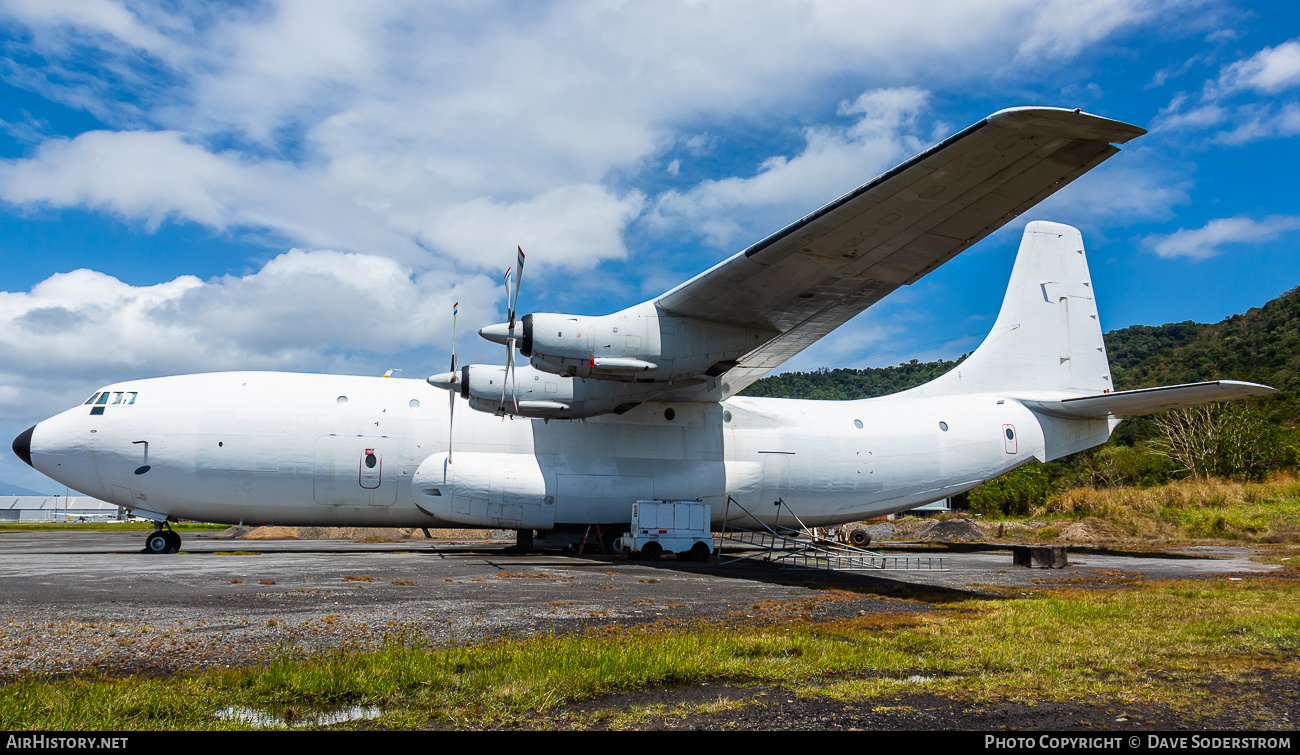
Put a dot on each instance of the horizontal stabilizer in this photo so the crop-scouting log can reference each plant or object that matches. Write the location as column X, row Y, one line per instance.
column 1125, row 404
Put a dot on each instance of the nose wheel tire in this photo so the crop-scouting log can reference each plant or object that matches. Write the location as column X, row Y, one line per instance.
column 162, row 541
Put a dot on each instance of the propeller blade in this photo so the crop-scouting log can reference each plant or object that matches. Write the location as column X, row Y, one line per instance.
column 510, row 364
column 455, row 310
column 451, row 395
column 519, row 277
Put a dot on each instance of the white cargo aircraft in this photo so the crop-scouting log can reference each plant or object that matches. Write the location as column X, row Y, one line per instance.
column 641, row 404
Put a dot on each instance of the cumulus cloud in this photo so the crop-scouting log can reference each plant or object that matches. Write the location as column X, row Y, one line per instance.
column 834, row 160
column 1268, row 71
column 321, row 310
column 1225, row 105
column 1065, row 27
column 1206, row 241
column 380, row 127
column 571, row 225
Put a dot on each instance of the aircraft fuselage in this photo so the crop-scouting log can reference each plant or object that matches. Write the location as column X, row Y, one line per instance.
column 297, row 449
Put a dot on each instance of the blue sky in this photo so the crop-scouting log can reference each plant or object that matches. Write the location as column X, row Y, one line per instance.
column 309, row 186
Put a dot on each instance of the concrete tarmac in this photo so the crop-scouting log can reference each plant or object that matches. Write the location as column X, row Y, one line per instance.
column 74, row 601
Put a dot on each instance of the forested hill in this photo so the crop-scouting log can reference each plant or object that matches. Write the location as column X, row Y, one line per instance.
column 1261, row 346
column 841, row 385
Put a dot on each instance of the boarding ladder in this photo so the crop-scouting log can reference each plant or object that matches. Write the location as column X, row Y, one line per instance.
column 799, row 547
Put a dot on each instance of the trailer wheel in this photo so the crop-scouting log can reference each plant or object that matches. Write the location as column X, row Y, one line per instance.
column 652, row 551
column 701, row 552
column 860, row 538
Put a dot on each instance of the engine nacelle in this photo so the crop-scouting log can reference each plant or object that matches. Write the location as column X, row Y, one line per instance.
column 638, row 344
column 545, row 395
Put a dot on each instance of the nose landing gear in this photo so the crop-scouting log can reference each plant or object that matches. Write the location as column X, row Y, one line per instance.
column 162, row 540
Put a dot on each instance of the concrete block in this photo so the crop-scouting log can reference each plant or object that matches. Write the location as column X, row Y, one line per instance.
column 1042, row 556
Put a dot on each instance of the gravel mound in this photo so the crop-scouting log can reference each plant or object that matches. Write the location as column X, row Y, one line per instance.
column 951, row 531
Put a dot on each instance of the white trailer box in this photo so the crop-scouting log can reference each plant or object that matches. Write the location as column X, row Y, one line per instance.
column 681, row 527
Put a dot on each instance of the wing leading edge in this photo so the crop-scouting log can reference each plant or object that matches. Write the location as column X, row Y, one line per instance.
column 814, row 275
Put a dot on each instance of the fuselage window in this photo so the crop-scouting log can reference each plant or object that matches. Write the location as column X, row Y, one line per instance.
column 371, row 461
column 341, row 400
column 415, row 403
column 117, row 398
column 943, row 426
column 857, row 423
column 130, row 398
column 103, row 398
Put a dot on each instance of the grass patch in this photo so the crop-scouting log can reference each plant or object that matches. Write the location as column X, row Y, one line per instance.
column 1214, row 509
column 1159, row 638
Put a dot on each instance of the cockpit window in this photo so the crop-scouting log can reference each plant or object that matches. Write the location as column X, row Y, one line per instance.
column 110, row 398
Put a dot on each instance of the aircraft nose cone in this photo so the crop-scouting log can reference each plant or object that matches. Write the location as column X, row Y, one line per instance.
column 23, row 445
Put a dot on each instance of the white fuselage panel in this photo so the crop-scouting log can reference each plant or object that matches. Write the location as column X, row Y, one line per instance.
column 280, row 448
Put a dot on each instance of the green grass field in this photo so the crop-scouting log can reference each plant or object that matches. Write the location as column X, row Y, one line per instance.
column 1149, row 643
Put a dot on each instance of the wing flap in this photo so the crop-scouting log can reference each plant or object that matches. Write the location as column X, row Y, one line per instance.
column 1127, row 404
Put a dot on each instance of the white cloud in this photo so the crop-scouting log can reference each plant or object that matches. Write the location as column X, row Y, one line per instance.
column 1063, row 28
column 370, row 127
column 834, row 160
column 1224, row 105
column 1255, row 123
column 570, row 226
column 1127, row 189
column 1268, row 71
column 1206, row 241
column 303, row 310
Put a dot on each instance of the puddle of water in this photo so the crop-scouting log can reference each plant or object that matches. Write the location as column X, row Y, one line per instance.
column 265, row 719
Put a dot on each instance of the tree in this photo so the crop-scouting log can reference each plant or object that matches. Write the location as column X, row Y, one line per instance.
column 1220, row 440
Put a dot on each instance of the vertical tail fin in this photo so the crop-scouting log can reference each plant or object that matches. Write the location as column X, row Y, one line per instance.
column 1047, row 336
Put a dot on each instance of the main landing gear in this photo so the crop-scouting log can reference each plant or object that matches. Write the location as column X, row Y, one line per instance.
column 162, row 540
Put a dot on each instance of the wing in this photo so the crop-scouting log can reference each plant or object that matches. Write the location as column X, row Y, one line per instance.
column 814, row 275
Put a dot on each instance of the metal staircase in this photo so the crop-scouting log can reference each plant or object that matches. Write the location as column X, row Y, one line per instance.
column 800, row 548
